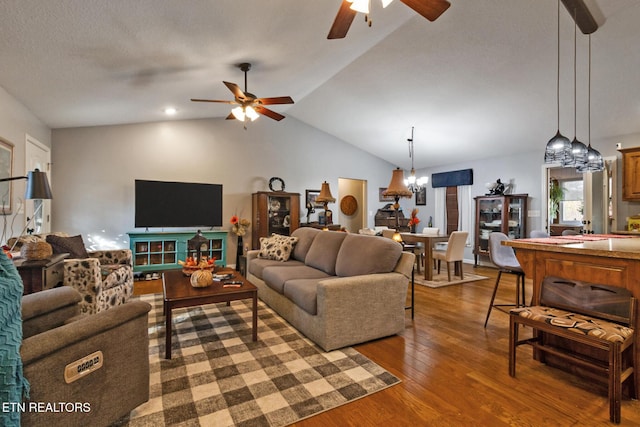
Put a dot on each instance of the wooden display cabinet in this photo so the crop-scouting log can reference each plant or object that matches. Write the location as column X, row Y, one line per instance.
column 274, row 212
column 506, row 214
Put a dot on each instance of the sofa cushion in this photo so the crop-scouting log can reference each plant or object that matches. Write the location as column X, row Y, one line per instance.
column 276, row 276
column 305, row 237
column 324, row 251
column 304, row 293
column 361, row 254
column 73, row 245
column 257, row 265
column 277, row 247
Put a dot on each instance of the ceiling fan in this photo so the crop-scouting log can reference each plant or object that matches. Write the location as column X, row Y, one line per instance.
column 430, row 9
column 249, row 106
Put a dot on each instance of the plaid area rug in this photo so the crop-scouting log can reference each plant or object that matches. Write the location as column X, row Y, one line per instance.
column 219, row 377
column 442, row 280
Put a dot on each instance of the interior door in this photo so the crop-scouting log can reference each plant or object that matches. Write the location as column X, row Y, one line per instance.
column 358, row 189
column 38, row 156
column 598, row 196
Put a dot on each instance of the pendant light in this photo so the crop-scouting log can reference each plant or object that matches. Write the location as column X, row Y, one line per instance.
column 578, row 155
column 559, row 146
column 595, row 162
column 413, row 183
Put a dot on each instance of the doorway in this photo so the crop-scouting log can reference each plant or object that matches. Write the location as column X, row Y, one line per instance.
column 38, row 156
column 586, row 201
column 352, row 220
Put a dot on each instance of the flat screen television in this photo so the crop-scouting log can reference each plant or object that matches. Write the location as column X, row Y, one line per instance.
column 177, row 204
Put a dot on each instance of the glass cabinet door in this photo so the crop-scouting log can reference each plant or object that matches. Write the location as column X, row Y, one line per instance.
column 279, row 214
column 516, row 211
column 489, row 220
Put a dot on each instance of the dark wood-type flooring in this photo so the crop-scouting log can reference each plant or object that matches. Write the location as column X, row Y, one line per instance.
column 455, row 372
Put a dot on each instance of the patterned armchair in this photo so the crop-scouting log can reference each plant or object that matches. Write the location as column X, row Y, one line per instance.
column 104, row 279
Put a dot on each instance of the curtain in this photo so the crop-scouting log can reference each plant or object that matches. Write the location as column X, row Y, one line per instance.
column 465, row 209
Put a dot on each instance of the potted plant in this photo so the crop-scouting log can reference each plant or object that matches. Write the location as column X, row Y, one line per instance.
column 556, row 194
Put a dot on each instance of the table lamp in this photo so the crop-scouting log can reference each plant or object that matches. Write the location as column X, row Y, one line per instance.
column 37, row 188
column 325, row 198
column 397, row 189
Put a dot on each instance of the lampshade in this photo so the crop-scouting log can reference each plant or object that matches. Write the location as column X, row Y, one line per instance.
column 578, row 155
column 325, row 194
column 242, row 113
column 558, row 149
column 396, row 187
column 594, row 162
column 360, row 6
column 37, row 186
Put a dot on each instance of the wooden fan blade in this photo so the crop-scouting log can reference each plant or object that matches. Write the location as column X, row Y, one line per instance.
column 213, row 100
column 269, row 113
column 430, row 9
column 343, row 21
column 237, row 92
column 276, row 100
column 230, row 117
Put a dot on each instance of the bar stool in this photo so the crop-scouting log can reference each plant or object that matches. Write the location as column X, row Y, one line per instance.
column 505, row 259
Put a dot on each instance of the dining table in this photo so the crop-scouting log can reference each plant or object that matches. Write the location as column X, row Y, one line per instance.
column 428, row 241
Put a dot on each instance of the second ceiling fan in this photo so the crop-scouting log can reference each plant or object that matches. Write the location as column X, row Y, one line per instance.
column 430, row 9
column 249, row 105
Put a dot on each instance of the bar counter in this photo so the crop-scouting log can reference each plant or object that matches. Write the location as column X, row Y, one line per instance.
column 613, row 260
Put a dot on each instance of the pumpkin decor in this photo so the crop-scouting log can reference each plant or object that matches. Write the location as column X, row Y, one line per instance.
column 201, row 278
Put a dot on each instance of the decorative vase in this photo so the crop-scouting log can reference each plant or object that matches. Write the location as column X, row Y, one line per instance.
column 238, row 253
column 412, row 229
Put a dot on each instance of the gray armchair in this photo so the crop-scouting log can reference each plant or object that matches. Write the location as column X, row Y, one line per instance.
column 60, row 354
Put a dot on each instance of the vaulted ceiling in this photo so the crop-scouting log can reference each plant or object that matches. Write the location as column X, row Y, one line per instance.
column 478, row 81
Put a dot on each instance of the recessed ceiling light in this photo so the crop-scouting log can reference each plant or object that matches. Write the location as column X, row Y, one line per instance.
column 170, row 111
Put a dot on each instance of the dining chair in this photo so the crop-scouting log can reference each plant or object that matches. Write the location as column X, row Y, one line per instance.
column 504, row 258
column 536, row 234
column 454, row 253
column 407, row 247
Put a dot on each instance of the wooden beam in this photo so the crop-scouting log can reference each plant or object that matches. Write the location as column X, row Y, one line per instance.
column 580, row 12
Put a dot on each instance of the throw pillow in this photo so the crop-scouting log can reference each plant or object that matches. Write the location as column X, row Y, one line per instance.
column 74, row 246
column 277, row 247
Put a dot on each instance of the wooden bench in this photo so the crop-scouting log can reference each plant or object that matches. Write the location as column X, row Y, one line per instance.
column 600, row 317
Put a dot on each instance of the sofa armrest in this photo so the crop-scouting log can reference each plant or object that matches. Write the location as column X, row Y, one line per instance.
column 405, row 264
column 113, row 256
column 48, row 309
column 48, row 342
column 360, row 308
column 113, row 389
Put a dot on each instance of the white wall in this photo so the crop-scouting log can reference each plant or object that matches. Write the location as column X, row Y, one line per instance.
column 15, row 123
column 95, row 168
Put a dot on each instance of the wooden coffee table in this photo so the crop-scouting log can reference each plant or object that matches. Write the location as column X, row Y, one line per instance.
column 178, row 293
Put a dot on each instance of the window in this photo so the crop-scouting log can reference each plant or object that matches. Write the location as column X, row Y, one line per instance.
column 572, row 204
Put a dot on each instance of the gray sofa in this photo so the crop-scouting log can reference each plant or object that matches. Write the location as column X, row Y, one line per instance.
column 337, row 288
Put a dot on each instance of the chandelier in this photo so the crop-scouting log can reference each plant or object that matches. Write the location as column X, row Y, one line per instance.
column 413, row 183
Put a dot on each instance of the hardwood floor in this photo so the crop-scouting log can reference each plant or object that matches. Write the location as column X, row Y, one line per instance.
column 455, row 372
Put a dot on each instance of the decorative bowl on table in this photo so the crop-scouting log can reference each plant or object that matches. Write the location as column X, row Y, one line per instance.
column 189, row 270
